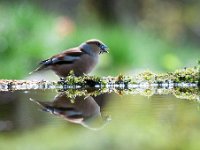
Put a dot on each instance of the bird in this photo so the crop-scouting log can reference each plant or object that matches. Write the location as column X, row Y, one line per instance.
column 81, row 60
column 84, row 110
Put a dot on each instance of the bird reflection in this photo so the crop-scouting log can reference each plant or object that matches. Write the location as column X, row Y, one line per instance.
column 83, row 110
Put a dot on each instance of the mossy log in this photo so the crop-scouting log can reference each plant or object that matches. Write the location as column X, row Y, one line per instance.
column 145, row 83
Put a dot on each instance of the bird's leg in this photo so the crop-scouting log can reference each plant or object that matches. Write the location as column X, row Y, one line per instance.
column 84, row 74
column 62, row 80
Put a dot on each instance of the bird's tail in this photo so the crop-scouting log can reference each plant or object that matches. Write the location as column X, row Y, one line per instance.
column 42, row 65
column 45, row 106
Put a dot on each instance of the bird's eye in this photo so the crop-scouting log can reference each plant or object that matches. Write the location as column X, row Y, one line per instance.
column 98, row 44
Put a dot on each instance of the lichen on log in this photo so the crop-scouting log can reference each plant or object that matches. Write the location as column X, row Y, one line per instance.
column 183, row 83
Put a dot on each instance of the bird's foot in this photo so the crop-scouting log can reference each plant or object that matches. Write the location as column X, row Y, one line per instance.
column 86, row 75
column 62, row 80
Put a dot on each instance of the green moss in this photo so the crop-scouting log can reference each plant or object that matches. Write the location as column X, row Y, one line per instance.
column 147, row 76
column 187, row 93
column 183, row 83
column 187, row 75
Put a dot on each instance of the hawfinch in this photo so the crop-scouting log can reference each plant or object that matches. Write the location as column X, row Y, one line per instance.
column 81, row 59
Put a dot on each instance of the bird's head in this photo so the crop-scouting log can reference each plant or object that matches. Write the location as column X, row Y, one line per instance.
column 95, row 46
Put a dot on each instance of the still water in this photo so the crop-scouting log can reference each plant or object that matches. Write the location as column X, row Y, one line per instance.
column 49, row 119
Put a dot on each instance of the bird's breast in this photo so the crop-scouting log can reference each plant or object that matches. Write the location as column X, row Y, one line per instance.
column 86, row 63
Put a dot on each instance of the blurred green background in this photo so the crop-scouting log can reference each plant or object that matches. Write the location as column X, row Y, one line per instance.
column 160, row 35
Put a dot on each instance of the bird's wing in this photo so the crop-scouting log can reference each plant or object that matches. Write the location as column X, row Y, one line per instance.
column 66, row 57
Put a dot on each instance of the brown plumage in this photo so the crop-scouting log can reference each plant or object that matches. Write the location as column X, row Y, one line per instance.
column 84, row 111
column 81, row 59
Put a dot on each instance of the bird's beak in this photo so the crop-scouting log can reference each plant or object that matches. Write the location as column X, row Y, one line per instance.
column 104, row 49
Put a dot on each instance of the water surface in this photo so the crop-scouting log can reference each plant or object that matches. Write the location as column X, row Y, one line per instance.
column 49, row 119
